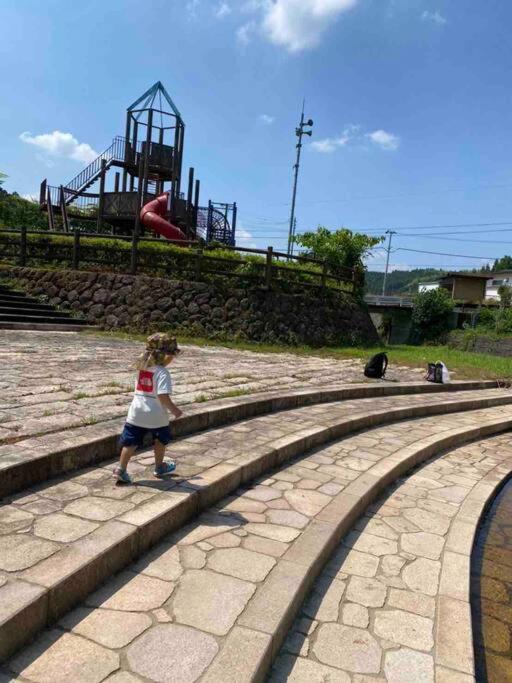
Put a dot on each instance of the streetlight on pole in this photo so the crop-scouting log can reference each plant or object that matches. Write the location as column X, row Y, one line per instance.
column 390, row 233
column 299, row 132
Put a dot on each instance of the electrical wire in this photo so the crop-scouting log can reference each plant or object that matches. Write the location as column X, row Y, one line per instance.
column 440, row 253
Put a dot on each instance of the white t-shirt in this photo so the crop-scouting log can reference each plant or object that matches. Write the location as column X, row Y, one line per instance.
column 146, row 409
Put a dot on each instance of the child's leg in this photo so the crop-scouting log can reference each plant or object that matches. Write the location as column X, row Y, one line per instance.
column 126, row 454
column 159, row 449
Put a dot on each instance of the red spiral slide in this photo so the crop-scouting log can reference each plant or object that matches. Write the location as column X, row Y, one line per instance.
column 151, row 216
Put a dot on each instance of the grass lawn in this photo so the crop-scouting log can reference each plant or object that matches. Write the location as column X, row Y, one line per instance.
column 464, row 364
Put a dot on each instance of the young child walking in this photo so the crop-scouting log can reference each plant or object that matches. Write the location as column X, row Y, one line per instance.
column 150, row 405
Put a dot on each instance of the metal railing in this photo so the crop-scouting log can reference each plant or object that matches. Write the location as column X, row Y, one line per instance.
column 388, row 300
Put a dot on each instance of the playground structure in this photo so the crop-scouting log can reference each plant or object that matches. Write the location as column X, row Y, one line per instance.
column 146, row 191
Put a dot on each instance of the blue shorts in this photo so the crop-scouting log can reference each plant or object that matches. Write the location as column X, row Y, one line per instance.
column 134, row 436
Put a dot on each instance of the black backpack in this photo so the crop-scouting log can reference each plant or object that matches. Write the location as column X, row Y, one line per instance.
column 434, row 373
column 376, row 366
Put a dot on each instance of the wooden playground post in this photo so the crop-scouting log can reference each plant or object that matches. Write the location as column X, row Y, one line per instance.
column 62, row 199
column 51, row 220
column 102, row 193
column 135, row 238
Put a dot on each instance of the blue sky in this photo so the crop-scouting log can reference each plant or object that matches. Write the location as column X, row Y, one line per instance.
column 411, row 102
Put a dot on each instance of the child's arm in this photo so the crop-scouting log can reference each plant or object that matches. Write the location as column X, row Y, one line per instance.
column 165, row 400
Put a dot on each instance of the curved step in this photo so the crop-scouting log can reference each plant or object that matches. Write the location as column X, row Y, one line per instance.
column 32, row 460
column 37, row 595
column 394, row 599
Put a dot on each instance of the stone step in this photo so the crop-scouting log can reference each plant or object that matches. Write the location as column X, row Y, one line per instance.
column 34, row 310
column 33, row 460
column 65, row 554
column 217, row 598
column 17, row 309
column 47, row 319
column 25, row 302
column 47, row 327
column 394, row 600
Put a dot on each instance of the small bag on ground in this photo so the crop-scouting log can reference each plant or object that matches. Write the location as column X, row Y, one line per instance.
column 437, row 373
column 376, row 366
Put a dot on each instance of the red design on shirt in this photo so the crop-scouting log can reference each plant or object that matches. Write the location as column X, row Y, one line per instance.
column 145, row 381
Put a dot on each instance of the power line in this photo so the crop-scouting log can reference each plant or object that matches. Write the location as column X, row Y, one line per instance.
column 440, row 253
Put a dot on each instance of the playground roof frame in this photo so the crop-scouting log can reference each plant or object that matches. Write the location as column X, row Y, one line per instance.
column 149, row 97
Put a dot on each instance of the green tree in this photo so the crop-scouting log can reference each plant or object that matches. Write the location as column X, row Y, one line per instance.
column 341, row 248
column 503, row 263
column 431, row 314
column 2, row 177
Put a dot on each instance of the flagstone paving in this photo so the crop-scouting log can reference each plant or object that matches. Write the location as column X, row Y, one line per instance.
column 56, row 381
column 371, row 614
column 192, row 601
column 47, row 518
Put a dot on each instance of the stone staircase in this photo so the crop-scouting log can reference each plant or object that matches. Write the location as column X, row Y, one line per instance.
column 21, row 312
column 217, row 562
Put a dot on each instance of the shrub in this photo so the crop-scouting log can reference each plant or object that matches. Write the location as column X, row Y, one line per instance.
column 504, row 321
column 486, row 319
column 431, row 314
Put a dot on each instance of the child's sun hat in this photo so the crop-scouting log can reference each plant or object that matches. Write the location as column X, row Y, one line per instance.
column 158, row 346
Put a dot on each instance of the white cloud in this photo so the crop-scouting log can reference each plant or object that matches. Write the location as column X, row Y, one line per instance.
column 384, row 140
column 31, row 197
column 329, row 145
column 244, row 238
column 222, row 10
column 434, row 17
column 299, row 24
column 266, row 119
column 60, row 144
column 244, row 33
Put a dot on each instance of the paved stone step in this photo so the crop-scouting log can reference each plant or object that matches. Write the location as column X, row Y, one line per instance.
column 34, row 311
column 47, row 327
column 25, row 461
column 91, row 528
column 393, row 602
column 16, row 302
column 216, row 599
column 48, row 319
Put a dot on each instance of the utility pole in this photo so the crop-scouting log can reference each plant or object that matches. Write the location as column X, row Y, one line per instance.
column 292, row 245
column 299, row 132
column 390, row 233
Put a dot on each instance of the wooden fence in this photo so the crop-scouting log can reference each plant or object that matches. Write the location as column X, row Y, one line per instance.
column 268, row 268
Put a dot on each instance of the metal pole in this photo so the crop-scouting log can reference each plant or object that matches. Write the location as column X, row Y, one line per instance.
column 292, row 246
column 390, row 233
column 299, row 132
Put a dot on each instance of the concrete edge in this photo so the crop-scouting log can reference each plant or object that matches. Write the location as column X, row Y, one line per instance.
column 69, row 575
column 20, row 473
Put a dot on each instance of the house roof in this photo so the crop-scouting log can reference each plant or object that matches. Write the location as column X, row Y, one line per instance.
column 473, row 276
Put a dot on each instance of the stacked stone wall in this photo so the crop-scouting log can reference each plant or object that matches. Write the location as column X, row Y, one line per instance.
column 114, row 301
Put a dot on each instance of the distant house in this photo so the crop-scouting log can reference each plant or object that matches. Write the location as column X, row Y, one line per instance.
column 469, row 288
column 501, row 277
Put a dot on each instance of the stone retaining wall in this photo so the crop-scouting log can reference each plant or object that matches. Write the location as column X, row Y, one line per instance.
column 114, row 301
column 480, row 343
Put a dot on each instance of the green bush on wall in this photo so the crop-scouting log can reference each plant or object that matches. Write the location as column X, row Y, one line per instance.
column 161, row 259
